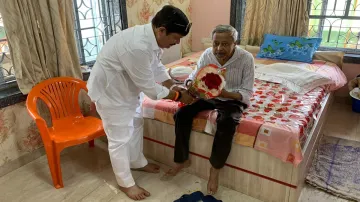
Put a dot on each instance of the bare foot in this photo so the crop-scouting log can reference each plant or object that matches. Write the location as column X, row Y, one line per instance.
column 174, row 171
column 135, row 192
column 178, row 168
column 149, row 168
column 213, row 183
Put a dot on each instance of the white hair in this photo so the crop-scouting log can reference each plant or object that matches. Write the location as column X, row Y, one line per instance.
column 226, row 29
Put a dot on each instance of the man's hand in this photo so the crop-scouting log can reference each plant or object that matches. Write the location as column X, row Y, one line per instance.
column 186, row 98
column 192, row 92
column 178, row 88
column 354, row 83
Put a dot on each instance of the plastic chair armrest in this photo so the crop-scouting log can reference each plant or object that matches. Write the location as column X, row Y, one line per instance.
column 42, row 126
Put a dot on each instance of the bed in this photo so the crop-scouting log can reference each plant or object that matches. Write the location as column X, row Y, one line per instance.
column 274, row 142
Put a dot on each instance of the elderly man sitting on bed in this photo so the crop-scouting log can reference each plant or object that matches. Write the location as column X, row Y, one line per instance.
column 239, row 65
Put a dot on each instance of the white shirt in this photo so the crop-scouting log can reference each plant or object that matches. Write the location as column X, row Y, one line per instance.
column 239, row 74
column 129, row 63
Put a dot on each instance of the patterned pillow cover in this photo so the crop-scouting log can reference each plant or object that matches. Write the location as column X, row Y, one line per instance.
column 299, row 49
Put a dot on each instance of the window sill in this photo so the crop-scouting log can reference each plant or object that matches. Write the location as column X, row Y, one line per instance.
column 351, row 58
column 13, row 95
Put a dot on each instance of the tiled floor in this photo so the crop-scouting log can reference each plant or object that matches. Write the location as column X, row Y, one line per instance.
column 88, row 176
column 342, row 122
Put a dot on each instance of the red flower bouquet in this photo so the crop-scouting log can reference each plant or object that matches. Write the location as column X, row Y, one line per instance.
column 208, row 82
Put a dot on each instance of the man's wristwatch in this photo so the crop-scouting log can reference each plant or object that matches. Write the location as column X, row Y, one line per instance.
column 186, row 83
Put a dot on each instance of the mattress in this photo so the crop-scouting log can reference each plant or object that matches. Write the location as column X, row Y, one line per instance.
column 278, row 120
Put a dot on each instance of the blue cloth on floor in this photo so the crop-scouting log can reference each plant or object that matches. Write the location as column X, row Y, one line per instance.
column 197, row 197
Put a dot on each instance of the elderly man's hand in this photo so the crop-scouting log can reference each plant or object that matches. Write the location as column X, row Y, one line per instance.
column 186, row 98
column 224, row 93
column 192, row 92
column 354, row 83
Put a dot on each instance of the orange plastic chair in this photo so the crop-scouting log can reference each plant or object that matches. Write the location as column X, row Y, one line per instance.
column 69, row 126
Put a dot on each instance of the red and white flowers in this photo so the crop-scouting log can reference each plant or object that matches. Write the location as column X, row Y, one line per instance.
column 209, row 82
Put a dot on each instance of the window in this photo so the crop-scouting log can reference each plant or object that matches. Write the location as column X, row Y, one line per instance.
column 6, row 68
column 337, row 22
column 95, row 22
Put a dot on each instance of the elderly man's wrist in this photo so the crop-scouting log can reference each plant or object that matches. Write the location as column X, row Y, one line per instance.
column 227, row 94
column 233, row 95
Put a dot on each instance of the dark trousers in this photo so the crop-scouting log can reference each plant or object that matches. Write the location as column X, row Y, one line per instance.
column 229, row 114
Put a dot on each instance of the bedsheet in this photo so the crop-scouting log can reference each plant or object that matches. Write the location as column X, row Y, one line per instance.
column 277, row 121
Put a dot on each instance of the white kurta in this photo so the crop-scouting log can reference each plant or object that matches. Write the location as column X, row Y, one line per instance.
column 129, row 63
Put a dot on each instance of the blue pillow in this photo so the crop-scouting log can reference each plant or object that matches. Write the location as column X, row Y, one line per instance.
column 299, row 49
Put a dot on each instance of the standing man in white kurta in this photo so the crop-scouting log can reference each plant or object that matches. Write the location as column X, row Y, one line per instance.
column 128, row 64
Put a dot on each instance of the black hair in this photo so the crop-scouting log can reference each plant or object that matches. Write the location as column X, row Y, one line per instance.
column 173, row 19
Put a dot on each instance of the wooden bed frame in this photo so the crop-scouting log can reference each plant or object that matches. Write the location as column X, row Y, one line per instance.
column 249, row 171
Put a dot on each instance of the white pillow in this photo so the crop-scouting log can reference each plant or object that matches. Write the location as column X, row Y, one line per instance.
column 180, row 73
column 297, row 79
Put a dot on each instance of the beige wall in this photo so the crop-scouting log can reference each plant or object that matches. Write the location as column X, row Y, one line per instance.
column 205, row 15
column 140, row 12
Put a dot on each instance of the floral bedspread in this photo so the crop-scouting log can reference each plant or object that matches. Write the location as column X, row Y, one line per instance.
column 278, row 120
